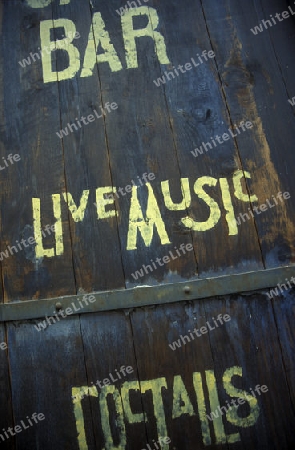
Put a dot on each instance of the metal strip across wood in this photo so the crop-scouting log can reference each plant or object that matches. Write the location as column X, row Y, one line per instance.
column 147, row 295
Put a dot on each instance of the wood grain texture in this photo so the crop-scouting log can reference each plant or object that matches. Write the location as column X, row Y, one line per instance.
column 255, row 90
column 6, row 417
column 179, row 377
column 154, row 329
column 31, row 111
column 44, row 367
column 108, row 343
column 87, row 167
column 170, row 391
column 2, row 138
column 198, row 113
column 154, row 130
column 284, row 310
column 143, row 142
column 250, row 340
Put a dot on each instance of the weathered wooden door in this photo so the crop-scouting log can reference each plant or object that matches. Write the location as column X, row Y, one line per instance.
column 147, row 224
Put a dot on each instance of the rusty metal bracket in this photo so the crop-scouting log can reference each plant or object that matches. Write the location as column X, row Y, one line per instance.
column 147, row 295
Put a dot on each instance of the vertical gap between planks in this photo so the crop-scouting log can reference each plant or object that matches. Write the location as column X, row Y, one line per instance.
column 282, row 354
column 108, row 149
column 87, row 379
column 137, row 371
column 2, row 125
column 5, row 325
column 223, row 93
column 175, row 147
column 275, row 54
column 204, row 303
column 64, row 167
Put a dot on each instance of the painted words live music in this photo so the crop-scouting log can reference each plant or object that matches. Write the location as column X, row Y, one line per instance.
column 145, row 217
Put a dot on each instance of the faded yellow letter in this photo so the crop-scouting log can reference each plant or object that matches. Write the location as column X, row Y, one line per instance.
column 44, row 3
column 215, row 213
column 186, row 195
column 238, row 175
column 181, row 401
column 129, row 35
column 39, row 249
column 198, row 386
column 232, row 415
column 102, row 201
column 77, row 213
column 156, row 387
column 228, row 206
column 125, row 394
column 221, row 437
column 105, row 418
column 62, row 44
column 145, row 226
column 78, row 411
column 99, row 36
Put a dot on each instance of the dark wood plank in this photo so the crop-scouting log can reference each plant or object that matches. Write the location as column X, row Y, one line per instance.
column 254, row 89
column 87, row 164
column 6, row 417
column 284, row 311
column 142, row 143
column 171, row 392
column 232, row 359
column 2, row 139
column 108, row 344
column 198, row 112
column 250, row 340
column 281, row 36
column 168, row 121
column 181, row 372
column 45, row 365
column 31, row 110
